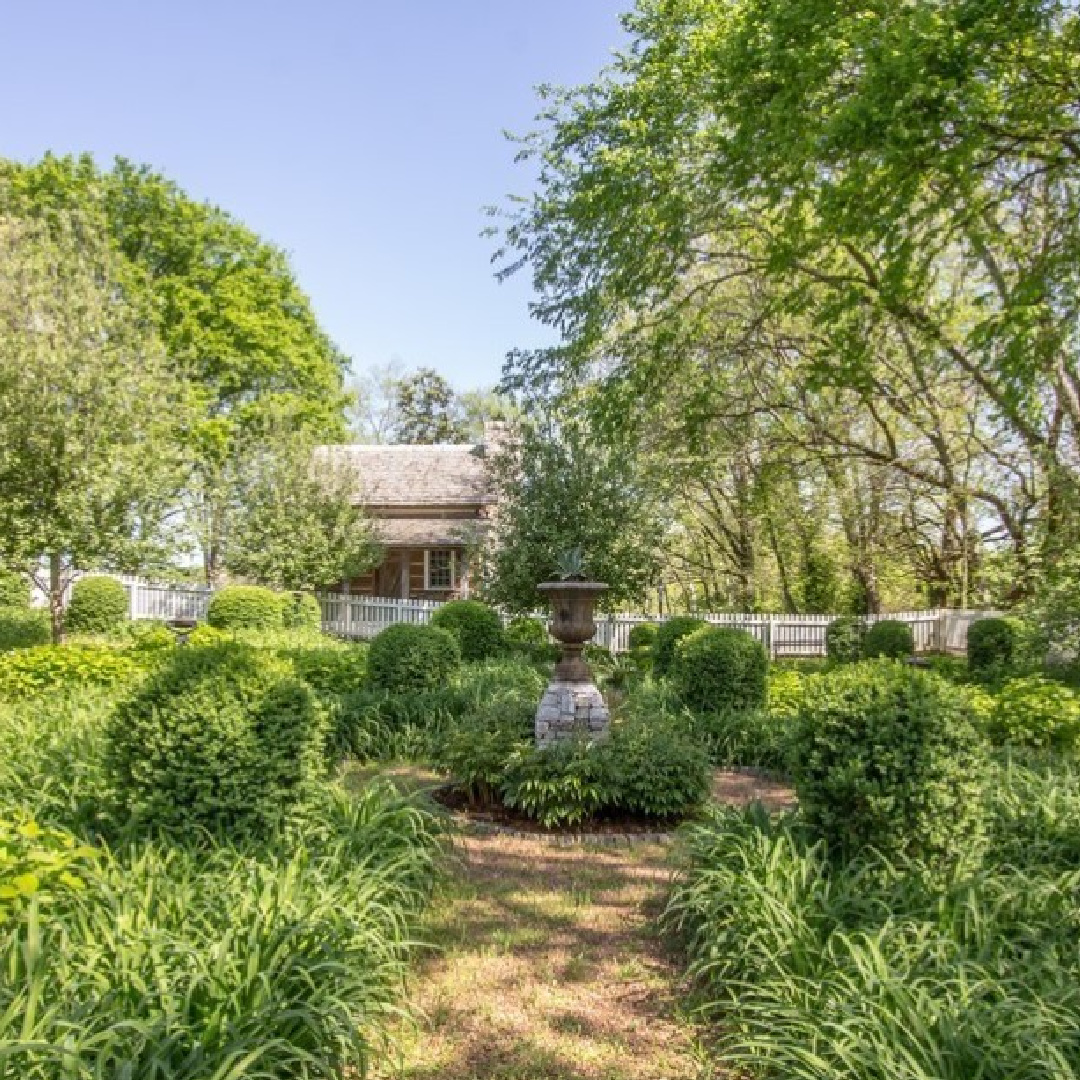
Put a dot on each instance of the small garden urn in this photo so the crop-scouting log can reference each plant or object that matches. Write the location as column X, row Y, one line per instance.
column 572, row 704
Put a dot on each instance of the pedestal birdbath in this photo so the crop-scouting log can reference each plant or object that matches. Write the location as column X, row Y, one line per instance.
column 572, row 704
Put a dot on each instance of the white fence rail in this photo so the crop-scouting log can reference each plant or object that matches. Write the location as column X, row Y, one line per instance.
column 362, row 617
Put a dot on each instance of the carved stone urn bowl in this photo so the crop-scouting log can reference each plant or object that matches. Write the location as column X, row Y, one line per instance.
column 572, row 623
column 572, row 706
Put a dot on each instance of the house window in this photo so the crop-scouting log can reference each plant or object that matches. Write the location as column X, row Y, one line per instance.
column 440, row 569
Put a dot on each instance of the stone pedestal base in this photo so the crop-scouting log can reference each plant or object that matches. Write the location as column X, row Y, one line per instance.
column 568, row 709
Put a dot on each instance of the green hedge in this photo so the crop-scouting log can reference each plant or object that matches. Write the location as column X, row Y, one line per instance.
column 668, row 636
column 643, row 635
column 226, row 739
column 719, row 668
column 476, row 626
column 99, row 605
column 888, row 757
column 889, row 639
column 408, row 658
column 1035, row 712
column 246, row 607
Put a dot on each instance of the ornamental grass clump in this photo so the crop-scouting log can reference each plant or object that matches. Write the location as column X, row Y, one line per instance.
column 224, row 739
column 888, row 757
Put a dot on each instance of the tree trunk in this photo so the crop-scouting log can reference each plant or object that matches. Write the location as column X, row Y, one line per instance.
column 56, row 599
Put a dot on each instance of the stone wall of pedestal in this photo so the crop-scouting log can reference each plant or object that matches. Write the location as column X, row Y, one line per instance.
column 568, row 709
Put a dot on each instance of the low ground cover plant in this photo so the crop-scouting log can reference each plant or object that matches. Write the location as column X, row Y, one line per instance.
column 99, row 605
column 49, row 669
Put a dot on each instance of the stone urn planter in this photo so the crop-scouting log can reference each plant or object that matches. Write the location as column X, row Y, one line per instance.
column 572, row 704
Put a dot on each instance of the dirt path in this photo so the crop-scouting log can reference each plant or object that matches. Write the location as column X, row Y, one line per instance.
column 549, row 969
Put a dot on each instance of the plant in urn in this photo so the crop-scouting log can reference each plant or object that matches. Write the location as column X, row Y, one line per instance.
column 572, row 704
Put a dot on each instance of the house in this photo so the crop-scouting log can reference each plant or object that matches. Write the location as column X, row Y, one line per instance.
column 430, row 506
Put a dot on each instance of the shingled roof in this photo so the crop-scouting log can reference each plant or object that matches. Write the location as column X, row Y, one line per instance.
column 420, row 476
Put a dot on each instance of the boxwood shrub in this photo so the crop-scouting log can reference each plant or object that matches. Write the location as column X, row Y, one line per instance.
column 225, row 739
column 1003, row 646
column 407, row 658
column 889, row 639
column 719, row 668
column 328, row 670
column 844, row 639
column 476, row 626
column 99, row 605
column 526, row 631
column 668, row 635
column 301, row 611
column 643, row 636
column 888, row 757
column 246, row 607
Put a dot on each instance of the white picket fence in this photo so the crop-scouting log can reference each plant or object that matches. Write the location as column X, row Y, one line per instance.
column 362, row 617
column 939, row 630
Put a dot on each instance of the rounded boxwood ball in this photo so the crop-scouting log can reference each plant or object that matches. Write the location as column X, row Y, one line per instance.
column 889, row 639
column 1002, row 646
column 98, row 605
column 246, row 607
column 719, row 668
column 888, row 757
column 408, row 658
column 667, row 637
column 643, row 635
column 477, row 628
column 302, row 611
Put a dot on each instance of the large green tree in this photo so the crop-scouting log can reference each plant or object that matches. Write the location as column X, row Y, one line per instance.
column 895, row 189
column 235, row 325
column 91, row 416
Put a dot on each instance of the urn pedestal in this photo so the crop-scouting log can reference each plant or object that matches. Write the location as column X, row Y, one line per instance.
column 572, row 705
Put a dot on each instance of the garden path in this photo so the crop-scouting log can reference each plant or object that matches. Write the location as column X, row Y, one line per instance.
column 548, row 968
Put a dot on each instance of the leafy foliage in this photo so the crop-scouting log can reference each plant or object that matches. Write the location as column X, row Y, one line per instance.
column 425, row 409
column 1036, row 712
column 329, row 671
column 667, row 638
column 643, row 635
column 48, row 669
column 888, row 757
column 408, row 658
column 845, row 638
column 225, row 739
column 478, row 748
column 476, row 627
column 526, row 631
column 559, row 785
column 99, row 605
column 889, row 638
column 1055, row 608
column 245, row 607
column 302, row 611
column 14, row 590
column 35, row 863
column 718, row 668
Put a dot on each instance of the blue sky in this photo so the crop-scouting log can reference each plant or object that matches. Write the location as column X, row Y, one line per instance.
column 365, row 138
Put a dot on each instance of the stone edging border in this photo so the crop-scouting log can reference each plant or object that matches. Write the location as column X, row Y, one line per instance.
column 608, row 839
